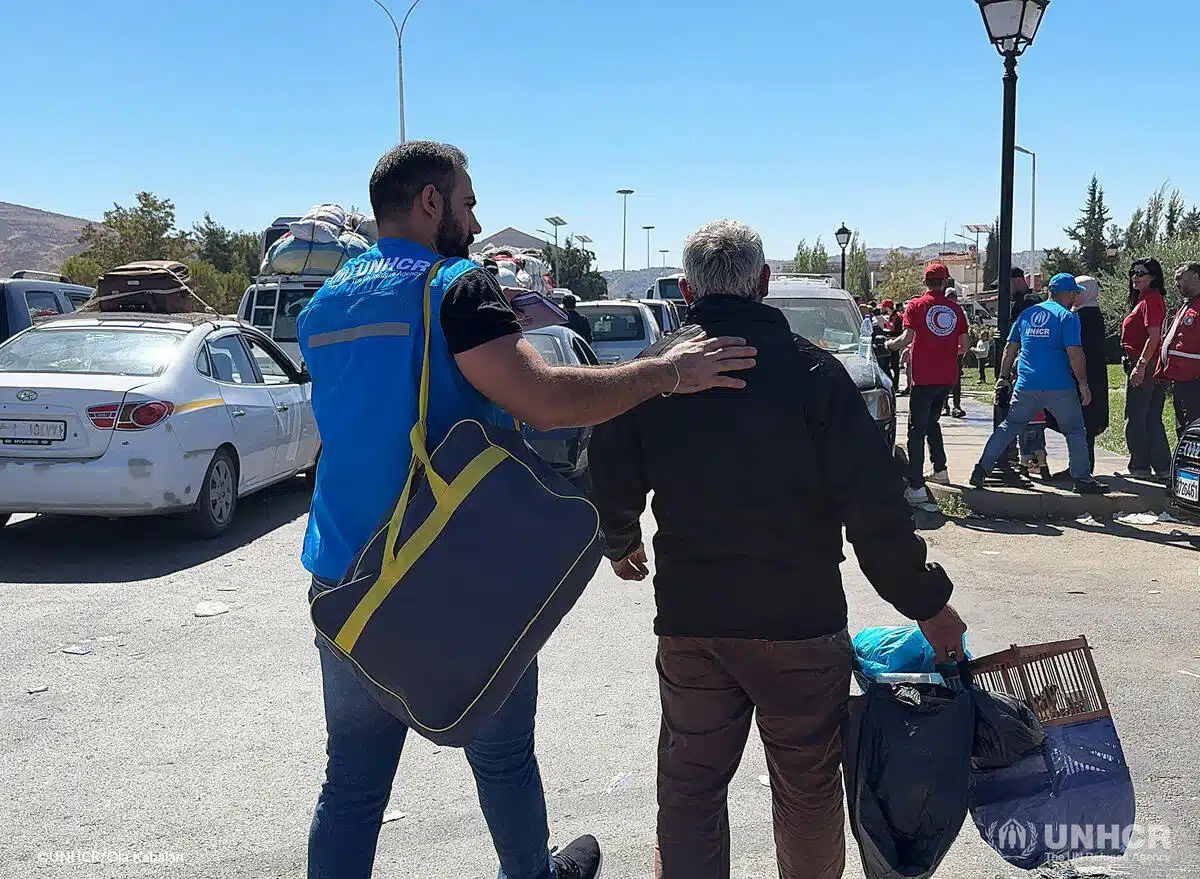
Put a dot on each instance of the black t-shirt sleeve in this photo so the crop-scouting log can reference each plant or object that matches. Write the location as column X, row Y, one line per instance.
column 475, row 311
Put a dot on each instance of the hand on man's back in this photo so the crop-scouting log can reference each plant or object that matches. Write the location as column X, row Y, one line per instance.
column 703, row 363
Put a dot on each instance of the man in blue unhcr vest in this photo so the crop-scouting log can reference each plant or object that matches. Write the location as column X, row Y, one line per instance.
column 361, row 337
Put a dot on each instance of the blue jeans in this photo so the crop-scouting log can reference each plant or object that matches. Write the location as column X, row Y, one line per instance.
column 1064, row 406
column 364, row 748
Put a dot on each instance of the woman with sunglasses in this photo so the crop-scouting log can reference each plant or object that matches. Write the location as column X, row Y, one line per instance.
column 1141, row 332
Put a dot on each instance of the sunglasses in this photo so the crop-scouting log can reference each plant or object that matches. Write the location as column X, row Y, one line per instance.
column 1139, row 274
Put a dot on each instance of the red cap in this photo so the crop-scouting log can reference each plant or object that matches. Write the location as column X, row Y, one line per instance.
column 887, row 303
column 937, row 272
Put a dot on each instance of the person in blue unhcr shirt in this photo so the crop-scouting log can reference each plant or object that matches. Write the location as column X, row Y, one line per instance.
column 1046, row 345
column 362, row 339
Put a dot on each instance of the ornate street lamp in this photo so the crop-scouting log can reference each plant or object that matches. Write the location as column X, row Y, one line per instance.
column 843, row 236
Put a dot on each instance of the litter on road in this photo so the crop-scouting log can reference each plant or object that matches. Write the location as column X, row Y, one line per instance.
column 1191, row 674
column 396, row 815
column 211, row 608
column 764, row 780
column 990, row 552
column 77, row 650
column 1139, row 519
column 228, row 588
column 33, row 691
column 1088, row 519
column 619, row 782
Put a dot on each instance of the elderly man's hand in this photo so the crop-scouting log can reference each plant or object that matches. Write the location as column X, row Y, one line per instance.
column 634, row 567
column 944, row 632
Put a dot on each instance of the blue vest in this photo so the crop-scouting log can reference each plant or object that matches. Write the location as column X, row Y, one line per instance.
column 362, row 337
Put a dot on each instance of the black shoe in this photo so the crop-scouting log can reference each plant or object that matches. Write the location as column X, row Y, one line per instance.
column 946, row 411
column 959, row 413
column 1044, row 473
column 1088, row 486
column 579, row 860
column 978, row 476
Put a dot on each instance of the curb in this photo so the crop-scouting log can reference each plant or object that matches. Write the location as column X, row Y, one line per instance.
column 1125, row 496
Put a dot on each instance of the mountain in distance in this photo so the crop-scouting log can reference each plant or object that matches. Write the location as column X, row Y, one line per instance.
column 34, row 239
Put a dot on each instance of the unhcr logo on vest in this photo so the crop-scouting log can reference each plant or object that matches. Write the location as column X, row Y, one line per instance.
column 1021, row 839
column 1039, row 324
column 1013, row 837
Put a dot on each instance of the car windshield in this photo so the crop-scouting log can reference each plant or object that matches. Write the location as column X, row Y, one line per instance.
column 547, row 347
column 831, row 324
column 91, row 351
column 659, row 310
column 615, row 323
column 668, row 288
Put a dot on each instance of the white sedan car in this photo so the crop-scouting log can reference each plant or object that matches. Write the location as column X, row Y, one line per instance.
column 129, row 414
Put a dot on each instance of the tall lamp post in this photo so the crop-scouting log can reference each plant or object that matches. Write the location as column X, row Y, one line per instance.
column 624, row 193
column 664, row 253
column 647, row 228
column 843, row 236
column 399, row 53
column 978, row 229
column 1011, row 26
column 556, row 222
column 1032, row 200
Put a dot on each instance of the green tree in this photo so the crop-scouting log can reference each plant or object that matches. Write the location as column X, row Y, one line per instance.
column 245, row 248
column 991, row 259
column 902, row 277
column 858, row 268
column 144, row 231
column 1174, row 215
column 222, row 290
column 1135, row 231
column 1189, row 225
column 818, row 258
column 803, row 257
column 80, row 269
column 572, row 268
column 1089, row 232
column 1152, row 227
column 1059, row 260
column 214, row 244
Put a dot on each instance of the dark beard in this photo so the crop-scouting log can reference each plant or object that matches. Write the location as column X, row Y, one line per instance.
column 452, row 238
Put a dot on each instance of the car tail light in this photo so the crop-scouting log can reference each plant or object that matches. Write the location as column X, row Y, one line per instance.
column 131, row 416
column 104, row 417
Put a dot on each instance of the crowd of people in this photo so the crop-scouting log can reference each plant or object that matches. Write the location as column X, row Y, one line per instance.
column 1052, row 373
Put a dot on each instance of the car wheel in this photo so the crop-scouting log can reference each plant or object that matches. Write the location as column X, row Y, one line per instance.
column 215, row 508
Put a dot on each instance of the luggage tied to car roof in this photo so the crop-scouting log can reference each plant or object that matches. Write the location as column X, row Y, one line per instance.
column 153, row 286
column 485, row 552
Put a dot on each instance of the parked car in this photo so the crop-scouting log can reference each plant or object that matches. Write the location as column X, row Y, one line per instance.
column 829, row 318
column 130, row 414
column 667, row 288
column 272, row 304
column 665, row 313
column 28, row 297
column 1185, row 474
column 621, row 328
column 564, row 449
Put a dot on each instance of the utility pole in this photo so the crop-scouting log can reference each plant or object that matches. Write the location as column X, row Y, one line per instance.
column 624, row 193
column 647, row 228
column 399, row 55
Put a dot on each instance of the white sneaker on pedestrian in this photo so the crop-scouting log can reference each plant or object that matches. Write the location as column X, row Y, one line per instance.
column 941, row 477
column 916, row 496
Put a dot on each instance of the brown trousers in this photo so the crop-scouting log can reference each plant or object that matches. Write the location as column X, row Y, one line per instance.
column 710, row 689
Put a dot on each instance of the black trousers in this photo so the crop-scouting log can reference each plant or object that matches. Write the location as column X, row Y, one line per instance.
column 1187, row 404
column 924, row 411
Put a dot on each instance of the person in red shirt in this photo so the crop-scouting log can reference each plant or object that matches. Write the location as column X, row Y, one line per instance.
column 936, row 329
column 1179, row 362
column 1145, row 395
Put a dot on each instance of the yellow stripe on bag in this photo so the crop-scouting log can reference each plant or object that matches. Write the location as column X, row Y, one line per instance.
column 422, row 539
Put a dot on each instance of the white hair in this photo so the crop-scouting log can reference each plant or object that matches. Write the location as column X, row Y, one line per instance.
column 724, row 257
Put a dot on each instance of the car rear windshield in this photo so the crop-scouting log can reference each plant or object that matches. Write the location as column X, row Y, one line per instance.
column 831, row 324
column 288, row 305
column 91, row 351
column 668, row 288
column 547, row 347
column 616, row 323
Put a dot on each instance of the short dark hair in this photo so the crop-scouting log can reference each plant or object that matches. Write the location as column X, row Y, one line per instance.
column 1193, row 267
column 403, row 172
column 1017, row 272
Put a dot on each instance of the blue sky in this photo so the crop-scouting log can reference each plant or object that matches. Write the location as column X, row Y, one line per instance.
column 794, row 117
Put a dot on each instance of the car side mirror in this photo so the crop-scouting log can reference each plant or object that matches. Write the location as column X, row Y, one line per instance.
column 305, row 378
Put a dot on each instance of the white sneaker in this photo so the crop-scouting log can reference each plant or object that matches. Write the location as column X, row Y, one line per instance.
column 916, row 496
column 941, row 477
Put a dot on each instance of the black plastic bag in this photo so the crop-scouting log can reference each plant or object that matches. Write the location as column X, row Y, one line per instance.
column 1006, row 729
column 907, row 759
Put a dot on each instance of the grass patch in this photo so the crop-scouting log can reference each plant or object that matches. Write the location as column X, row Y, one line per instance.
column 953, row 506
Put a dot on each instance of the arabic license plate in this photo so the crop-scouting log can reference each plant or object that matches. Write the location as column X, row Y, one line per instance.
column 1187, row 486
column 30, row 432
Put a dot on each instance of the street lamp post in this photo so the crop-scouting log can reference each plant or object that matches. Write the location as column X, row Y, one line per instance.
column 843, row 236
column 556, row 222
column 647, row 228
column 664, row 253
column 1032, row 200
column 624, row 193
column 978, row 229
column 1012, row 26
column 399, row 53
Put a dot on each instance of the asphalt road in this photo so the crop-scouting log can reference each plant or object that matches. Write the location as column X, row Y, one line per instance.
column 202, row 738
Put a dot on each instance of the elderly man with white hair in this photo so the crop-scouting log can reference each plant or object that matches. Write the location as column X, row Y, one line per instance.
column 751, row 491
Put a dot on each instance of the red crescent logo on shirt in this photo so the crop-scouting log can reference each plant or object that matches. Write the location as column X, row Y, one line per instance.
column 941, row 320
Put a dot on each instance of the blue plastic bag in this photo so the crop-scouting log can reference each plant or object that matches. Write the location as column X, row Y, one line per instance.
column 891, row 649
column 1071, row 798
